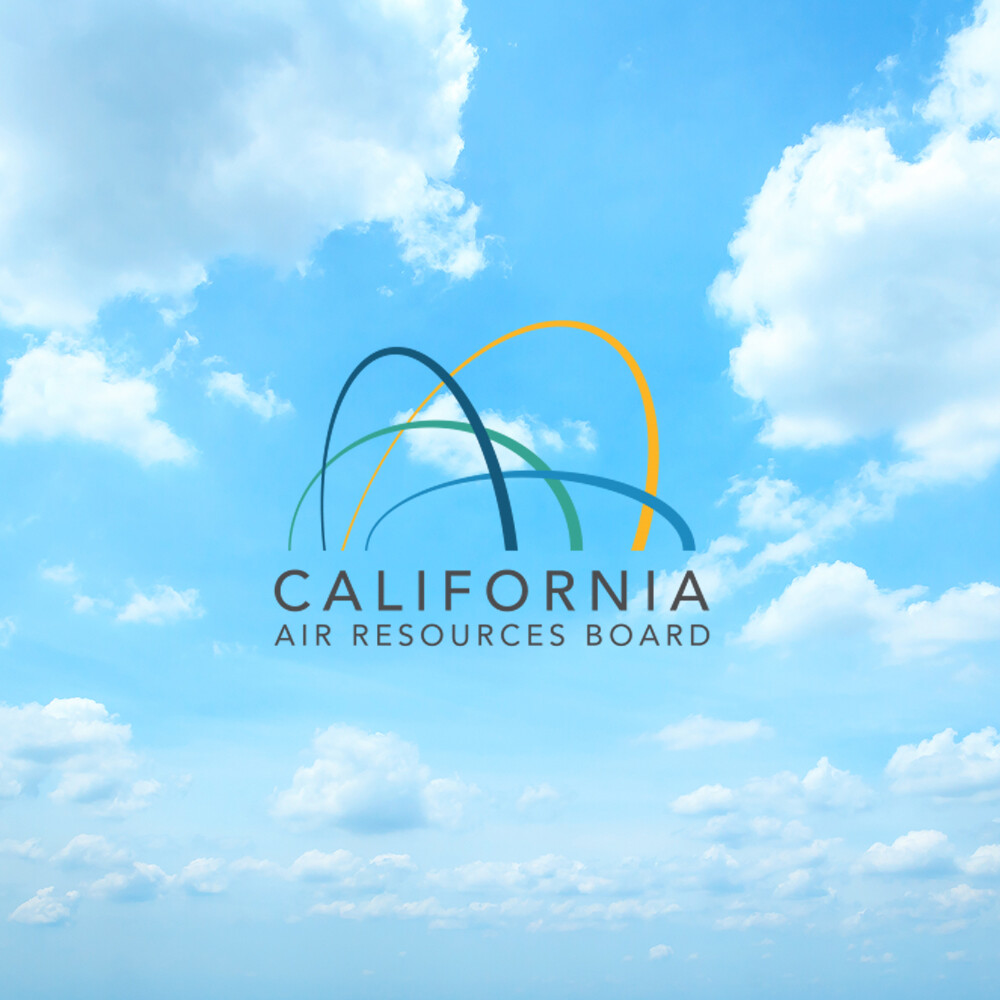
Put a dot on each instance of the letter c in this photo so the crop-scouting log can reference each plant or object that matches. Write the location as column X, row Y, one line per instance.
column 277, row 589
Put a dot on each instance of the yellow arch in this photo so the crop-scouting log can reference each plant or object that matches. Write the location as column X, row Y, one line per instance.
column 652, row 433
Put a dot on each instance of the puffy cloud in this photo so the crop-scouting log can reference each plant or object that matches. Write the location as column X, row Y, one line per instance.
column 164, row 606
column 340, row 866
column 963, row 898
column 45, row 908
column 83, row 604
column 801, row 884
column 868, row 285
column 59, row 389
column 823, row 786
column 829, row 787
column 697, row 731
column 232, row 386
column 772, row 505
column 88, row 850
column 122, row 176
column 707, row 799
column 914, row 852
column 968, row 90
column 984, row 860
column 548, row 874
column 660, row 951
column 584, row 436
column 368, row 783
column 841, row 597
column 946, row 767
column 29, row 849
column 77, row 743
column 141, row 883
column 202, row 877
column 317, row 866
column 536, row 795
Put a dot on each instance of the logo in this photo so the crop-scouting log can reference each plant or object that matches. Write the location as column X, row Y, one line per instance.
column 488, row 441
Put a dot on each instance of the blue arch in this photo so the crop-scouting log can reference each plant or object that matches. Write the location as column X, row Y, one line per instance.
column 612, row 485
column 485, row 444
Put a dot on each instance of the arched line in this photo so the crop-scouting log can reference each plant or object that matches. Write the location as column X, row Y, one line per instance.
column 652, row 432
column 613, row 485
column 485, row 444
column 559, row 491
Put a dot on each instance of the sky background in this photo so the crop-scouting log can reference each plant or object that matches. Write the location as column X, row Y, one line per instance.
column 789, row 213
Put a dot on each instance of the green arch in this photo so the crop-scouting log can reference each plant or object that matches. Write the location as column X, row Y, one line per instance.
column 526, row 454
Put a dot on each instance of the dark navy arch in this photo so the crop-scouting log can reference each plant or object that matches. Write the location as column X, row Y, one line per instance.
column 601, row 482
column 485, row 444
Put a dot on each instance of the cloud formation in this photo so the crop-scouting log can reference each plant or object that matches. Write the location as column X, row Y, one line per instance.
column 232, row 387
column 256, row 131
column 948, row 767
column 868, row 285
column 697, row 731
column 841, row 598
column 164, row 606
column 75, row 744
column 59, row 389
column 370, row 783
column 45, row 908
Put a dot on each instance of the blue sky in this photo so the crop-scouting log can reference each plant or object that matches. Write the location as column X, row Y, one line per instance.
column 788, row 215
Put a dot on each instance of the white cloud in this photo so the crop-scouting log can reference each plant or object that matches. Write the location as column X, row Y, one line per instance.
column 832, row 788
column 87, row 850
column 707, row 799
column 914, row 852
column 84, row 605
column 751, row 920
column 584, row 436
column 317, row 866
column 233, row 387
column 370, row 782
column 141, row 883
column 802, row 883
column 942, row 766
column 7, row 630
column 76, row 743
column 458, row 454
column 29, row 849
column 841, row 598
column 868, row 286
column 548, row 874
column 963, row 898
column 534, row 795
column 567, row 915
column 339, row 867
column 45, row 908
column 289, row 121
column 772, row 505
column 60, row 389
column 202, row 877
column 822, row 787
column 660, row 951
column 60, row 574
column 984, row 860
column 167, row 362
column 697, row 731
column 164, row 606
